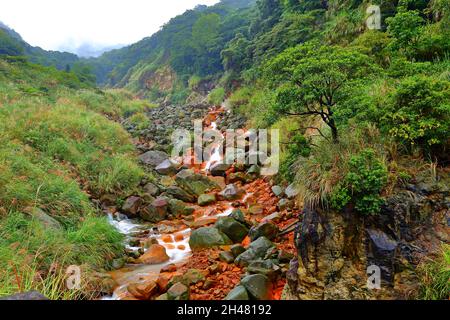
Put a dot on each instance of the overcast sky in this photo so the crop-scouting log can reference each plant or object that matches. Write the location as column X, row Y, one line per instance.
column 68, row 24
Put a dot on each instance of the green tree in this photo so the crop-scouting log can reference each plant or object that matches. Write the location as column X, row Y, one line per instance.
column 405, row 27
column 205, row 31
column 311, row 80
column 419, row 112
column 9, row 46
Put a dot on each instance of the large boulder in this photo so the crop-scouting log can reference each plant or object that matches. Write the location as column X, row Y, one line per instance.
column 265, row 229
column 231, row 192
column 131, row 206
column 157, row 211
column 256, row 250
column 180, row 194
column 258, row 286
column 219, row 169
column 235, row 230
column 238, row 293
column 193, row 183
column 155, row 254
column 207, row 237
column 206, row 199
column 179, row 208
column 167, row 167
column 153, row 158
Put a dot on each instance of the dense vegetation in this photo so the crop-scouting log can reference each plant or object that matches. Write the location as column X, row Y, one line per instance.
column 361, row 112
column 58, row 150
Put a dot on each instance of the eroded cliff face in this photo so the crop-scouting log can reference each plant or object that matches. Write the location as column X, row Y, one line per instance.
column 336, row 248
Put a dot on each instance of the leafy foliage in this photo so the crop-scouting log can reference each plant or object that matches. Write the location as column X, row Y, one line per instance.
column 362, row 185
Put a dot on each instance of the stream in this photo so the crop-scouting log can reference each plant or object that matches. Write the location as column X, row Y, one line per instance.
column 176, row 243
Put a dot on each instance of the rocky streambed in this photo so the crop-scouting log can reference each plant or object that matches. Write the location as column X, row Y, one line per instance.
column 201, row 232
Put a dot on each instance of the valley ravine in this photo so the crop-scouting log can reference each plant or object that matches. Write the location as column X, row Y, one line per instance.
column 214, row 231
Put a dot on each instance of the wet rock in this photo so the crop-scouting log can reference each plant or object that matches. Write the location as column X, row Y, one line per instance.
column 226, row 256
column 178, row 292
column 237, row 249
column 256, row 250
column 206, row 199
column 238, row 215
column 258, row 286
column 207, row 237
column 44, row 218
column 143, row 291
column 231, row 192
column 180, row 194
column 153, row 158
column 219, row 169
column 169, row 268
column 382, row 250
column 264, row 229
column 167, row 167
column 292, row 191
column 238, row 293
column 203, row 221
column 264, row 267
column 155, row 254
column 155, row 212
column 179, row 208
column 193, row 183
column 232, row 228
column 131, row 206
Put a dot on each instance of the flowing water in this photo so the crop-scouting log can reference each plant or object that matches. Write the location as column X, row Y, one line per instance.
column 176, row 243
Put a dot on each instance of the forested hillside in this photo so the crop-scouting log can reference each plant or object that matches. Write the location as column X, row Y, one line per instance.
column 12, row 44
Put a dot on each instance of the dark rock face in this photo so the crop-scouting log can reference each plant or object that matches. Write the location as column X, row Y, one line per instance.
column 335, row 249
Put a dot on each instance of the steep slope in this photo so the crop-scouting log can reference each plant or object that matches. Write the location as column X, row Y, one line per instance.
column 188, row 45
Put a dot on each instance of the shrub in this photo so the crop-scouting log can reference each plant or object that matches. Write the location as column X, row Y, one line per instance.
column 216, row 96
column 362, row 185
column 418, row 113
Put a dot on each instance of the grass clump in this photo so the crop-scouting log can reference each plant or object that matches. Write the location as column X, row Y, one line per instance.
column 435, row 277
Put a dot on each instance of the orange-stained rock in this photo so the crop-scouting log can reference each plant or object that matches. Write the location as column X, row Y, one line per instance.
column 181, row 247
column 179, row 237
column 154, row 255
column 167, row 238
column 163, row 281
column 143, row 291
column 170, row 246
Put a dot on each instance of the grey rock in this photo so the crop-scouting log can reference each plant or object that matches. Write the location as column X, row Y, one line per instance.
column 153, row 158
column 235, row 230
column 257, row 286
column 238, row 293
column 207, row 237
